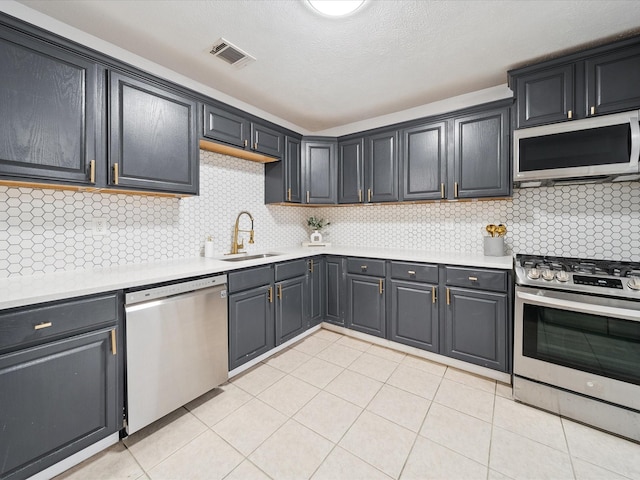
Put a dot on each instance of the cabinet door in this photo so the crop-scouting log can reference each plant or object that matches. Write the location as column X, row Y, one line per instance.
column 55, row 400
column 293, row 171
column 381, row 167
column 291, row 316
column 546, row 96
column 320, row 172
column 350, row 171
column 476, row 326
column 414, row 314
column 481, row 155
column 424, row 161
column 267, row 141
column 612, row 81
column 251, row 325
column 315, row 290
column 48, row 105
column 225, row 127
column 334, row 290
column 153, row 138
column 366, row 304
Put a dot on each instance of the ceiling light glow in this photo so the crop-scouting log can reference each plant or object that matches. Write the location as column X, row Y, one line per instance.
column 336, row 8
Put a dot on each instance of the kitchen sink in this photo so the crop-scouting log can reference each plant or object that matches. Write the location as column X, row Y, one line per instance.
column 250, row 257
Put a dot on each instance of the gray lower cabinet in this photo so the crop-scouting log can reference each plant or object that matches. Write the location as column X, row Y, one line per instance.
column 477, row 320
column 60, row 381
column 334, row 290
column 414, row 316
column 316, row 288
column 366, row 296
column 291, row 315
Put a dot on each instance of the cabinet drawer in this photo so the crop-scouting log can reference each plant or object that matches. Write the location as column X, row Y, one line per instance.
column 253, row 277
column 38, row 324
column 419, row 272
column 292, row 269
column 477, row 278
column 366, row 266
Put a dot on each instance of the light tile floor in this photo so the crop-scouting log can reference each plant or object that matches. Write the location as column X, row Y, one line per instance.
column 333, row 407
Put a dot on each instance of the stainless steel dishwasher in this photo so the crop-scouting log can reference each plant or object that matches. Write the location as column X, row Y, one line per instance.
column 177, row 347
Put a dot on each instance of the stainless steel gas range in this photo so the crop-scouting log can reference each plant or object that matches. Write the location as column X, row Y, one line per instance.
column 577, row 340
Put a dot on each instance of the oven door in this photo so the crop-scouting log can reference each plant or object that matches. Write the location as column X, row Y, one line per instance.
column 582, row 343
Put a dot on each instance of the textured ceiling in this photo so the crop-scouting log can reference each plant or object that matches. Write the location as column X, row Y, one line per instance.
column 318, row 72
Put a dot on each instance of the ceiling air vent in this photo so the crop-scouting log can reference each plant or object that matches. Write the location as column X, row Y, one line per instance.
column 231, row 54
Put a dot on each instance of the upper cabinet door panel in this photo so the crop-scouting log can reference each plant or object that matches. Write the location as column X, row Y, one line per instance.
column 225, row 126
column 47, row 111
column 381, row 167
column 613, row 81
column 153, row 138
column 546, row 96
column 293, row 165
column 481, row 158
column 266, row 140
column 320, row 172
column 424, row 159
column 350, row 171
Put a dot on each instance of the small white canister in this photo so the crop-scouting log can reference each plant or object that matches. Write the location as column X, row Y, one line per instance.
column 208, row 247
column 494, row 246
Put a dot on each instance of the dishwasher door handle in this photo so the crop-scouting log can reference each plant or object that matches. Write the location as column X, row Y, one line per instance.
column 159, row 302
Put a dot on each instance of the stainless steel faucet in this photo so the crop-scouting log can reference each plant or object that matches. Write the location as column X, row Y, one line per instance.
column 235, row 246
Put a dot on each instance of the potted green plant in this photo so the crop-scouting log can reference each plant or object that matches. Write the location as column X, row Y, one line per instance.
column 316, row 225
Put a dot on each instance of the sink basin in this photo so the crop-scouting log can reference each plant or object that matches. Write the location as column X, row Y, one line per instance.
column 242, row 258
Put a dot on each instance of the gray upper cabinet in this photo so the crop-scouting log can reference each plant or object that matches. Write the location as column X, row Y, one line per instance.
column 611, row 81
column 351, row 171
column 481, row 166
column 224, row 126
column 283, row 180
column 381, row 167
column 48, row 100
column 266, row 140
column 424, row 162
column 320, row 171
column 546, row 96
column 153, row 141
column 596, row 81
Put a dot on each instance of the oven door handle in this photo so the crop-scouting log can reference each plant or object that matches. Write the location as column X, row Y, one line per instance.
column 622, row 313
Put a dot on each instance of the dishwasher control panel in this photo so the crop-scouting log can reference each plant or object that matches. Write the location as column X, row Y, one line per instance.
column 174, row 289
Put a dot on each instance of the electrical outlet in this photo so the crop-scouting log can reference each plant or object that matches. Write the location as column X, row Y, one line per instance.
column 99, row 226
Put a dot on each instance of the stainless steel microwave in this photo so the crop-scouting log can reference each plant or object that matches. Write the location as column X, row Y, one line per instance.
column 579, row 151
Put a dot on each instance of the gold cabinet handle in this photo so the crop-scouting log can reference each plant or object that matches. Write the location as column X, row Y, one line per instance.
column 246, row 142
column 368, row 194
column 433, row 295
column 255, row 146
column 270, row 295
column 114, row 349
column 455, row 190
column 381, row 286
column 473, row 279
column 115, row 174
column 311, row 266
column 359, row 195
column 411, row 272
column 92, row 171
column 593, row 110
column 279, row 294
column 42, row 325
column 363, row 268
column 289, row 194
column 442, row 191
column 448, row 297
column 307, row 196
column 570, row 114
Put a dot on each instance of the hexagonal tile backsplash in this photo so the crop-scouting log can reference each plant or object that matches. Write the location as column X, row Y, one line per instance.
column 48, row 230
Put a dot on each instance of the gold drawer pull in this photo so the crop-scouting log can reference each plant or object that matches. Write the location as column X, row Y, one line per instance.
column 411, row 272
column 433, row 295
column 42, row 325
column 473, row 279
column 363, row 268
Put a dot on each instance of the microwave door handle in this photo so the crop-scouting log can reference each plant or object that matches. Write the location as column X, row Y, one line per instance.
column 635, row 140
column 622, row 313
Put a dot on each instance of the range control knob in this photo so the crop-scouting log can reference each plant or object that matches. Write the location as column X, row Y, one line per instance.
column 533, row 273
column 548, row 275
column 562, row 276
column 634, row 283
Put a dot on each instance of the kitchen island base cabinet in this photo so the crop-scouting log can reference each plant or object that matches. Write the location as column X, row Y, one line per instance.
column 251, row 325
column 414, row 315
column 476, row 327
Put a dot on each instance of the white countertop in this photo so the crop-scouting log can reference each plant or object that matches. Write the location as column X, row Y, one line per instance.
column 27, row 290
